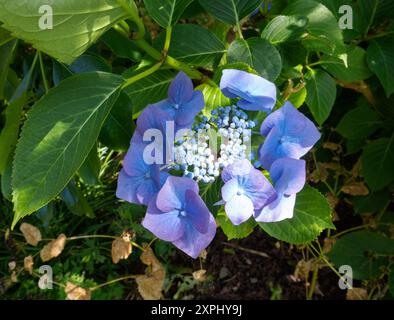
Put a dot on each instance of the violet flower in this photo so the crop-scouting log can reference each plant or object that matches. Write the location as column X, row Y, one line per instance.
column 178, row 215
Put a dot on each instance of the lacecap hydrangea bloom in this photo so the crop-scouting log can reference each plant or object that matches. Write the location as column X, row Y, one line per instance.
column 176, row 212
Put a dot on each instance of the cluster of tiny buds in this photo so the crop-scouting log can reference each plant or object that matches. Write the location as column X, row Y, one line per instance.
column 196, row 156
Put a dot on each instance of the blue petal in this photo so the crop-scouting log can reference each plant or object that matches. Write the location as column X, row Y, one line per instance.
column 288, row 134
column 167, row 226
column 256, row 93
column 193, row 242
column 280, row 209
column 172, row 194
column 257, row 187
column 230, row 189
column 288, row 175
column 147, row 190
column 127, row 187
column 155, row 116
column 238, row 168
column 133, row 162
column 188, row 110
column 197, row 211
column 239, row 209
column 181, row 89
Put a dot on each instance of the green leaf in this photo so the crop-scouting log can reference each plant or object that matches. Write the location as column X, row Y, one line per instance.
column 360, row 250
column 5, row 185
column 259, row 54
column 90, row 169
column 235, row 232
column 380, row 57
column 356, row 68
column 359, row 123
column 76, row 24
column 298, row 98
column 121, row 46
column 6, row 55
column 118, row 129
column 5, row 36
column 323, row 31
column 203, row 49
column 372, row 203
column 166, row 12
column 9, row 134
column 149, row 90
column 230, row 11
column 75, row 201
column 213, row 98
column 321, row 96
column 57, row 137
column 377, row 163
column 312, row 214
column 90, row 63
column 285, row 28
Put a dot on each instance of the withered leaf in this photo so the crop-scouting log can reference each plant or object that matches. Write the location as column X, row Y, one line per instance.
column 28, row 263
column 75, row 292
column 31, row 233
column 203, row 254
column 12, row 265
column 200, row 275
column 151, row 284
column 356, row 294
column 355, row 189
column 121, row 248
column 14, row 277
column 303, row 268
column 53, row 248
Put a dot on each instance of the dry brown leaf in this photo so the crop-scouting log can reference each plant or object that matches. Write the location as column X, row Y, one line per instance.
column 332, row 201
column 31, row 233
column 200, row 275
column 121, row 248
column 151, row 284
column 356, row 294
column 14, row 277
column 75, row 292
column 12, row 265
column 355, row 189
column 328, row 244
column 53, row 248
column 28, row 264
column 303, row 268
column 332, row 146
column 391, row 231
column 203, row 254
column 319, row 174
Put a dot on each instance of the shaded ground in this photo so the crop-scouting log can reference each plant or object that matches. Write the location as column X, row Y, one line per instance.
column 236, row 274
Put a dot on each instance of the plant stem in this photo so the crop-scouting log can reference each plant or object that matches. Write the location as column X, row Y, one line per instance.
column 313, row 284
column 142, row 75
column 137, row 245
column 114, row 281
column 91, row 236
column 44, row 78
column 167, row 41
column 132, row 11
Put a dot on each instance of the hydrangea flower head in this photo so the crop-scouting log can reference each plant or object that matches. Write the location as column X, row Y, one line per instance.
column 255, row 92
column 245, row 191
column 288, row 176
column 183, row 103
column 289, row 134
column 179, row 215
column 138, row 182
